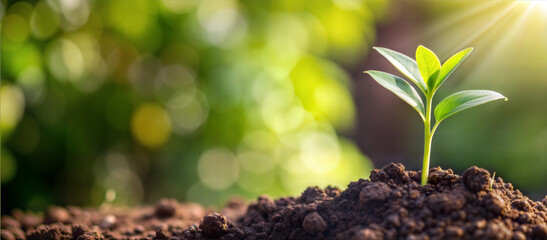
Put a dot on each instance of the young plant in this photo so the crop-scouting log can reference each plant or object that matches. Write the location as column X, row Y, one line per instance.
column 427, row 73
column 492, row 180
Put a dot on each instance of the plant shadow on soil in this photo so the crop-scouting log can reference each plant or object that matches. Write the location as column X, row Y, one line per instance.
column 390, row 205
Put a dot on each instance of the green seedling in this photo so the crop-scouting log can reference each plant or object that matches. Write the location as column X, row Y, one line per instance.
column 492, row 181
column 427, row 73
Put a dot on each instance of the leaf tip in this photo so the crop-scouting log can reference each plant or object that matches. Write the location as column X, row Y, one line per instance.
column 369, row 72
column 505, row 99
column 468, row 51
column 422, row 47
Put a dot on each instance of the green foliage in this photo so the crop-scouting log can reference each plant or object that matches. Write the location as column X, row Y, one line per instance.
column 429, row 66
column 432, row 76
column 460, row 101
column 401, row 88
column 450, row 65
column 406, row 65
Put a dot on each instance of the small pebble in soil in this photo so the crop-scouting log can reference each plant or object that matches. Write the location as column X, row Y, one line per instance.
column 369, row 234
column 214, row 225
column 374, row 193
column 17, row 233
column 79, row 230
column 314, row 223
column 476, row 179
column 108, row 221
column 92, row 235
column 162, row 232
column 494, row 203
column 139, row 229
column 166, row 207
column 265, row 204
column 6, row 235
column 8, row 221
column 56, row 215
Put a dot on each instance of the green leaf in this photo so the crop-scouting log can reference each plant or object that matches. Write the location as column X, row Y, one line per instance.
column 429, row 66
column 450, row 65
column 463, row 100
column 401, row 88
column 405, row 65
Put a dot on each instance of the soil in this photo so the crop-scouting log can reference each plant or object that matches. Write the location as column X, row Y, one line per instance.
column 390, row 205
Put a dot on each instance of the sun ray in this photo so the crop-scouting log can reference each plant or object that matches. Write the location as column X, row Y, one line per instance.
column 496, row 49
column 455, row 19
column 482, row 30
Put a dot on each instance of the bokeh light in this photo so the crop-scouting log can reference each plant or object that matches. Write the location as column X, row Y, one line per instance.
column 218, row 168
column 12, row 107
column 150, row 125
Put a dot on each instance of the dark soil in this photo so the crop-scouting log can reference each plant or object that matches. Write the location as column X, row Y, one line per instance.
column 391, row 205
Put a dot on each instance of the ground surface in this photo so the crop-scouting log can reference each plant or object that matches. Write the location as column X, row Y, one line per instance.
column 391, row 205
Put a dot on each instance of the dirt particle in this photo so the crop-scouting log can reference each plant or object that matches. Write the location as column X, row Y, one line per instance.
column 52, row 234
column 6, row 235
column 367, row 233
column 78, row 230
column 27, row 220
column 108, row 221
column 413, row 194
column 518, row 236
column 497, row 230
column 540, row 231
column 8, row 221
column 139, row 229
column 17, row 233
column 394, row 220
column 313, row 223
column 56, row 215
column 476, row 179
column 193, row 229
column 396, row 171
column 214, row 225
column 373, row 193
column 494, row 203
column 454, row 232
column 445, row 202
column 166, row 207
column 479, row 224
column 378, row 175
column 266, row 205
column 311, row 194
column 522, row 205
column 86, row 237
column 162, row 232
column 90, row 235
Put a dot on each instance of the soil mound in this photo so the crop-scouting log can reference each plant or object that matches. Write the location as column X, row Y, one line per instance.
column 391, row 205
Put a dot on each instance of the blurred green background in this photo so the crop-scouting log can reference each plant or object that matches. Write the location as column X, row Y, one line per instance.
column 203, row 100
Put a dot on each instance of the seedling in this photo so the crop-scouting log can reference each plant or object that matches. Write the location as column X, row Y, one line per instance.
column 427, row 73
column 492, row 180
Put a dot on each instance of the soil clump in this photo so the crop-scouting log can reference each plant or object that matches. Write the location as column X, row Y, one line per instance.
column 389, row 205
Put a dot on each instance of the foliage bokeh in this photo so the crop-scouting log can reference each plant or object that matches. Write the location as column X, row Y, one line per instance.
column 197, row 100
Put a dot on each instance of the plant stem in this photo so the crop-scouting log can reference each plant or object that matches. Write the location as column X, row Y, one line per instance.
column 428, row 135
